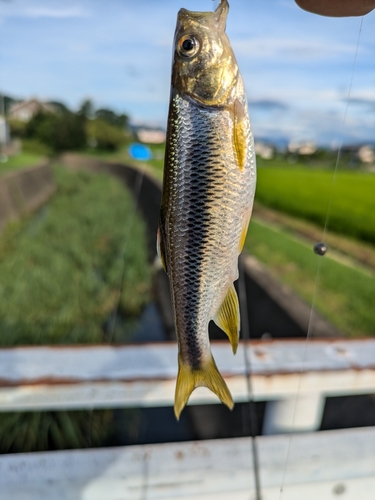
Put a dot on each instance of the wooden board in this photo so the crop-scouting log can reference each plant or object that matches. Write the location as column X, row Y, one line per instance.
column 326, row 465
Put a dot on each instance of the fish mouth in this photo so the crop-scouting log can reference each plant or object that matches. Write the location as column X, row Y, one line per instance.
column 219, row 15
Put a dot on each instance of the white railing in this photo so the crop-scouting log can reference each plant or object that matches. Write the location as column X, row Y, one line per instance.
column 144, row 375
column 294, row 376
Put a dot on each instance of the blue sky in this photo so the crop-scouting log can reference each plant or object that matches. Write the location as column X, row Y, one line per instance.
column 297, row 66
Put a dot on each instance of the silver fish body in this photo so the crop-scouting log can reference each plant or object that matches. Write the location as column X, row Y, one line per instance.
column 208, row 192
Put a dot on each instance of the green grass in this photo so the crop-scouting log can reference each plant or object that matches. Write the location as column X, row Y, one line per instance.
column 21, row 160
column 61, row 270
column 345, row 295
column 60, row 280
column 53, row 430
column 306, row 193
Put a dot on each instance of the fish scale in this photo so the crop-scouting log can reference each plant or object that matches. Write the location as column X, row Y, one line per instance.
column 208, row 188
column 208, row 191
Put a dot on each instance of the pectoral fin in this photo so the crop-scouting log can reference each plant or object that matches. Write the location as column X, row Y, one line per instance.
column 160, row 249
column 189, row 378
column 228, row 317
column 240, row 134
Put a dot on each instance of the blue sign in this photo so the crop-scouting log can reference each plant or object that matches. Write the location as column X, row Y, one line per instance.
column 140, row 152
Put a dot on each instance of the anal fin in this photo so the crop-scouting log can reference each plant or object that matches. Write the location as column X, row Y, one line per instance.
column 207, row 375
column 243, row 236
column 228, row 317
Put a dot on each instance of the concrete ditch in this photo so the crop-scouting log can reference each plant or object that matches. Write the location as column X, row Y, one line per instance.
column 274, row 310
column 24, row 191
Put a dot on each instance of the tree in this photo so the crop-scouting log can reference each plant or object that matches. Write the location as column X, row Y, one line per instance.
column 87, row 109
column 112, row 118
column 104, row 135
column 58, row 131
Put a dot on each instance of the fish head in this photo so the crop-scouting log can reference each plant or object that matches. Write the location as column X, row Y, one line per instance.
column 204, row 66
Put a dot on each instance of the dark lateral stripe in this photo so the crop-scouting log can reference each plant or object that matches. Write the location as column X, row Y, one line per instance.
column 201, row 192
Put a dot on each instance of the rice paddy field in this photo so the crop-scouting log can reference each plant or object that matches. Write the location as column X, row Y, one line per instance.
column 308, row 193
column 342, row 292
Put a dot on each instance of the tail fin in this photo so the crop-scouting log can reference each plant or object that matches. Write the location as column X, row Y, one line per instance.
column 207, row 376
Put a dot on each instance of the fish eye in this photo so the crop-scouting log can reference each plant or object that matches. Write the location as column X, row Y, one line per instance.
column 188, row 46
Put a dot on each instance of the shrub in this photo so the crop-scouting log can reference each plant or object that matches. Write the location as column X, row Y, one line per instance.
column 17, row 128
column 36, row 147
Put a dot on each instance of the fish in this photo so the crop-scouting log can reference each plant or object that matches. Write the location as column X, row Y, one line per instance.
column 207, row 196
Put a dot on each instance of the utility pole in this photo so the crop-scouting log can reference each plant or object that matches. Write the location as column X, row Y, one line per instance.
column 3, row 123
column 2, row 104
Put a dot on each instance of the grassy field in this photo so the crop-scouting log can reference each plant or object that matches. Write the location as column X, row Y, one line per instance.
column 21, row 160
column 61, row 269
column 344, row 295
column 306, row 193
column 345, row 288
column 360, row 251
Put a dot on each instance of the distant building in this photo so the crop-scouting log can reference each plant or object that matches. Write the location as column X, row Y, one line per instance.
column 151, row 135
column 263, row 150
column 302, row 147
column 24, row 111
column 366, row 154
column 4, row 131
column 360, row 153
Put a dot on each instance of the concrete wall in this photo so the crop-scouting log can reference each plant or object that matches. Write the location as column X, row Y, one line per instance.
column 24, row 191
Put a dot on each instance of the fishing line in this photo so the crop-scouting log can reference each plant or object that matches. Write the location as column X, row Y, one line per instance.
column 318, row 271
column 245, row 329
column 136, row 193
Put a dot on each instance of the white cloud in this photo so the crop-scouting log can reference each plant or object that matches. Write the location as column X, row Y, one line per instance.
column 58, row 13
column 40, row 10
column 270, row 48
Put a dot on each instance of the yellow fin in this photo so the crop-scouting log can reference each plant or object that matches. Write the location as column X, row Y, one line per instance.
column 243, row 236
column 159, row 250
column 228, row 317
column 189, row 378
column 239, row 134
